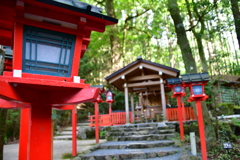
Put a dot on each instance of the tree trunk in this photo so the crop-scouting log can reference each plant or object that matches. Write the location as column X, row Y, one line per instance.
column 3, row 116
column 198, row 35
column 187, row 56
column 114, row 40
column 236, row 16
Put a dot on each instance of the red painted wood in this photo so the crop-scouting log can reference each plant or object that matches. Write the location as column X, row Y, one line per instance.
column 74, row 19
column 65, row 107
column 40, row 144
column 73, row 96
column 201, row 130
column 173, row 114
column 47, row 77
column 13, row 105
column 96, row 111
column 183, row 112
column 74, row 131
column 180, row 117
column 48, row 26
column 66, row 11
column 117, row 118
column 55, row 93
column 17, row 43
column 76, row 57
column 24, row 134
column 5, row 33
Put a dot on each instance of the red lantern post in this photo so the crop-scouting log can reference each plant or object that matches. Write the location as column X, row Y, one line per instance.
column 110, row 100
column 178, row 92
column 96, row 112
column 196, row 83
column 48, row 39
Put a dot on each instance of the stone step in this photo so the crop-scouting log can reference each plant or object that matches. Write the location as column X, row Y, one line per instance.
column 83, row 124
column 69, row 128
column 142, row 125
column 62, row 137
column 136, row 144
column 105, row 154
column 64, row 133
column 138, row 129
column 141, row 132
column 149, row 137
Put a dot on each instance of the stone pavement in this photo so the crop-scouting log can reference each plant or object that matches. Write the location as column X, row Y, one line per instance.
column 60, row 147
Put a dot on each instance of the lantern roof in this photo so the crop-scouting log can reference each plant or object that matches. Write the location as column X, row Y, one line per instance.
column 101, row 87
column 196, row 77
column 62, row 15
column 174, row 81
column 81, row 7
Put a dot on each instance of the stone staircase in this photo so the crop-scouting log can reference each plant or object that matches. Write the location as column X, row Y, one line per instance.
column 66, row 133
column 136, row 141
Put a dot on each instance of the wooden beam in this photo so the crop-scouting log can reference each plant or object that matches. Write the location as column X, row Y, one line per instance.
column 5, row 33
column 142, row 78
column 142, row 71
column 151, row 83
column 164, row 71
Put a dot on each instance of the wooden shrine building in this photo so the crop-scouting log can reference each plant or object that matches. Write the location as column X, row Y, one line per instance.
column 148, row 80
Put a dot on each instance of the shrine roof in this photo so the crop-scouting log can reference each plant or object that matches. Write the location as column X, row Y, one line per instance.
column 141, row 73
column 139, row 59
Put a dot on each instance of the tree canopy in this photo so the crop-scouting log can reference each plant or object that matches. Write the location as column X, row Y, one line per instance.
column 190, row 35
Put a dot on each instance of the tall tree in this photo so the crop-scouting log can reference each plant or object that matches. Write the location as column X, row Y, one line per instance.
column 187, row 56
column 198, row 17
column 236, row 16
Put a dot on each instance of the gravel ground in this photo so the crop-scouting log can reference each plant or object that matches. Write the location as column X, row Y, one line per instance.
column 10, row 152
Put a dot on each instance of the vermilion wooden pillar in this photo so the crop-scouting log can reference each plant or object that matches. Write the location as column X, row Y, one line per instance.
column 74, row 131
column 201, row 130
column 180, row 117
column 40, row 132
column 24, row 133
column 96, row 121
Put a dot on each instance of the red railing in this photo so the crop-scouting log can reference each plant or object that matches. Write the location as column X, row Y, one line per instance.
column 116, row 118
column 188, row 114
column 119, row 118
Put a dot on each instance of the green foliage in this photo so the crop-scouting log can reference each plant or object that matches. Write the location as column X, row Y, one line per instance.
column 219, row 153
column 236, row 122
column 224, row 109
column 67, row 156
column 226, row 133
column 102, row 134
column 61, row 117
column 192, row 127
column 12, row 125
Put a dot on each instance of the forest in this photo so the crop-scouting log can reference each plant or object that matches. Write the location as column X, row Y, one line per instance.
column 190, row 35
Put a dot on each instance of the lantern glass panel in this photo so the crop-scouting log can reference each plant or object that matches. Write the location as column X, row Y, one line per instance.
column 47, row 52
column 109, row 97
column 197, row 90
column 178, row 89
